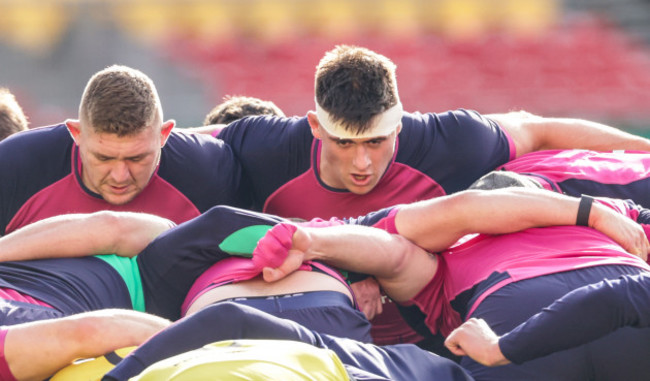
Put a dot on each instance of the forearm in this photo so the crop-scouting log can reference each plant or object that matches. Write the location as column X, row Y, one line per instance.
column 35, row 350
column 357, row 248
column 76, row 235
column 533, row 133
column 563, row 133
column 607, row 306
column 436, row 224
column 401, row 268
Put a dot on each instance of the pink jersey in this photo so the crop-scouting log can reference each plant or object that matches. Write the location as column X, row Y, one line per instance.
column 400, row 184
column 237, row 269
column 615, row 174
column 523, row 255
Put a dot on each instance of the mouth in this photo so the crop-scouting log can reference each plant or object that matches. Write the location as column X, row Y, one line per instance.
column 119, row 189
column 360, row 180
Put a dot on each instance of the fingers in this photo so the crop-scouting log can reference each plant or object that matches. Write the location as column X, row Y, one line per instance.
column 272, row 249
column 368, row 297
column 291, row 264
column 453, row 344
column 639, row 245
column 639, row 252
column 272, row 275
column 371, row 308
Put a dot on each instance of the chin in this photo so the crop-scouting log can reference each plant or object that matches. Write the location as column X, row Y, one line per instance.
column 361, row 191
column 118, row 200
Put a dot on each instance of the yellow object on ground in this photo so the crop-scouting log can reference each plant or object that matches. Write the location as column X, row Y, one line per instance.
column 259, row 360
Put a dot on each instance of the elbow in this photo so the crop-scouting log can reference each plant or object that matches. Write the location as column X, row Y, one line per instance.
column 404, row 252
column 112, row 226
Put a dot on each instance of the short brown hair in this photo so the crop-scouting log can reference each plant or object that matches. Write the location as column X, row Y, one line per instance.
column 354, row 84
column 120, row 100
column 237, row 107
column 12, row 117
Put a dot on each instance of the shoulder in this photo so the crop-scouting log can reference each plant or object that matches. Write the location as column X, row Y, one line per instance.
column 265, row 129
column 28, row 141
column 202, row 168
column 185, row 145
column 192, row 156
column 447, row 120
column 46, row 148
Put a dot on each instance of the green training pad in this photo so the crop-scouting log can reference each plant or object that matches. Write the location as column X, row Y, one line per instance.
column 242, row 242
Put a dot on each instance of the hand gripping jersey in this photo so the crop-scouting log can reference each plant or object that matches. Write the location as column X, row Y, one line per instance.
column 624, row 175
column 436, row 154
column 40, row 173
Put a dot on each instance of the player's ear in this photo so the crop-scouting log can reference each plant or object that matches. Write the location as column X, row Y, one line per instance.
column 74, row 128
column 312, row 118
column 166, row 130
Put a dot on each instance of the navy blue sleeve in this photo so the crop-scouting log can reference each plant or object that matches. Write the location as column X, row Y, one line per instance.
column 581, row 316
column 454, row 148
column 30, row 161
column 204, row 169
column 271, row 150
column 170, row 264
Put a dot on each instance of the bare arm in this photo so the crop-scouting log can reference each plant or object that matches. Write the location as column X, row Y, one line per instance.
column 400, row 267
column 76, row 235
column 437, row 223
column 533, row 133
column 35, row 350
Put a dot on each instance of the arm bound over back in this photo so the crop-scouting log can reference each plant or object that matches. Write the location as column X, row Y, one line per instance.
column 77, row 235
column 437, row 223
column 534, row 133
column 432, row 225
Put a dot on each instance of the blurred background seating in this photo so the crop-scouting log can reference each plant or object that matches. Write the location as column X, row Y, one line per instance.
column 580, row 58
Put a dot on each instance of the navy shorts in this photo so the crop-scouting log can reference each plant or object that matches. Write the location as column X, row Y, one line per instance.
column 327, row 312
column 13, row 312
column 621, row 355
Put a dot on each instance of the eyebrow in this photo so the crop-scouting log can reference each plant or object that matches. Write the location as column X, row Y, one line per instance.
column 108, row 157
column 335, row 139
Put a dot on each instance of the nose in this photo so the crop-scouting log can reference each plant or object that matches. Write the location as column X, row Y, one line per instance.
column 361, row 158
column 120, row 172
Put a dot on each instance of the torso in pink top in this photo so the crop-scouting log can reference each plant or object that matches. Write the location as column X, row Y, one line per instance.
column 526, row 254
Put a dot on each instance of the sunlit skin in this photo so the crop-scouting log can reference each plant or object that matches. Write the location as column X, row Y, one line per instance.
column 353, row 164
column 119, row 168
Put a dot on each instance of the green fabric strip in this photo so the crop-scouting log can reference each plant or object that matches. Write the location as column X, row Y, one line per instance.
column 243, row 241
column 130, row 272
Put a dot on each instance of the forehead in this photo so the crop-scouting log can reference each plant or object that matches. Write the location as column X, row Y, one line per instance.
column 108, row 144
column 357, row 140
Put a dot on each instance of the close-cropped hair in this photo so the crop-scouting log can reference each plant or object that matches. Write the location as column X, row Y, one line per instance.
column 354, row 84
column 120, row 100
column 236, row 107
column 504, row 179
column 12, row 117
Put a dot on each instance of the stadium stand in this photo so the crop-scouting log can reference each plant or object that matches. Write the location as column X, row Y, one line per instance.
column 587, row 67
column 554, row 57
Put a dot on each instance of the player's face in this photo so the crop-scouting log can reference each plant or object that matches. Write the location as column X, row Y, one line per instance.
column 355, row 164
column 119, row 167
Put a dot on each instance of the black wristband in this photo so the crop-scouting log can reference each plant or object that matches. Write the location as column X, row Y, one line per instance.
column 584, row 210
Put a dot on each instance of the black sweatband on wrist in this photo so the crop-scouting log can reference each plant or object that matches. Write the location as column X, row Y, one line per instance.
column 584, row 209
